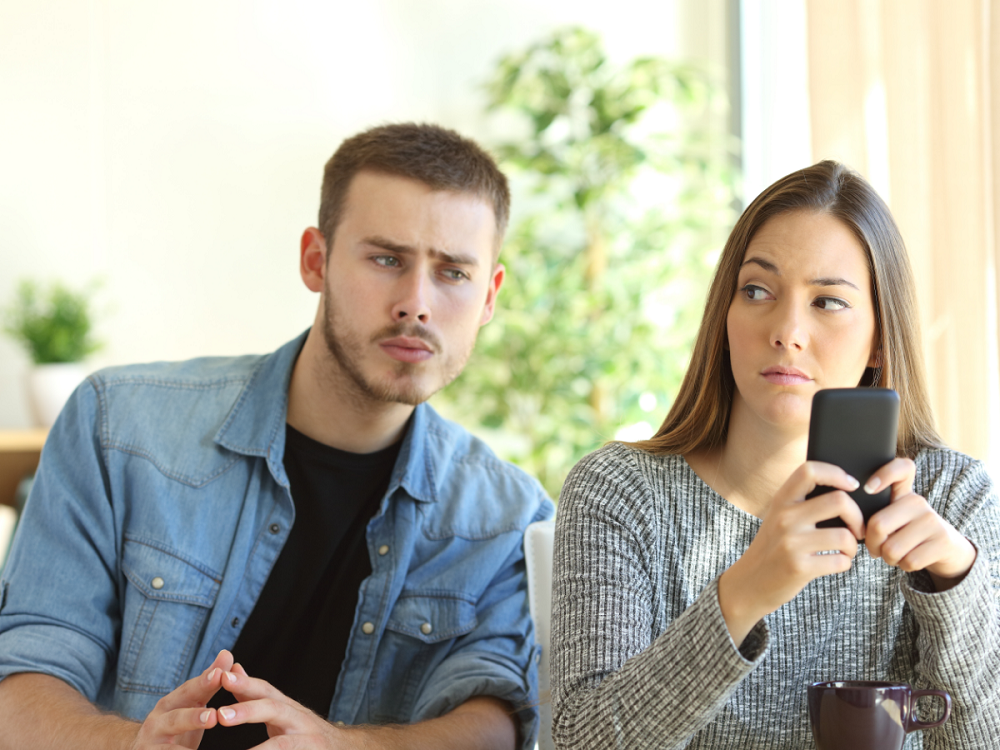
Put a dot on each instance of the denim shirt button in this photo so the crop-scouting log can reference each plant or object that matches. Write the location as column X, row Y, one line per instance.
column 275, row 528
column 384, row 549
column 157, row 583
column 426, row 628
column 367, row 628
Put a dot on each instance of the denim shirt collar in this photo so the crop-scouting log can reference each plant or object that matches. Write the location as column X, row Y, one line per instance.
column 256, row 426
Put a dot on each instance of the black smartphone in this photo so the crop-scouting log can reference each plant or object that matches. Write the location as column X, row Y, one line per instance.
column 855, row 429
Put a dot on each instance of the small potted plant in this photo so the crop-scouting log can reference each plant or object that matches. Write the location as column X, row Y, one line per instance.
column 54, row 325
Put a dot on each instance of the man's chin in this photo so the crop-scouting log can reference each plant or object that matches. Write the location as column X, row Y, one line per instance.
column 408, row 393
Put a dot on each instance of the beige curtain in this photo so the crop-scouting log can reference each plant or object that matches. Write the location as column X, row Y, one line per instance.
column 908, row 93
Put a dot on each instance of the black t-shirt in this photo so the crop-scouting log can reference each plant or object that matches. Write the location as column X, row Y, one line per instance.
column 296, row 636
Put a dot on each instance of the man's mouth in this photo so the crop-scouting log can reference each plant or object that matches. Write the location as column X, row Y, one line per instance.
column 407, row 349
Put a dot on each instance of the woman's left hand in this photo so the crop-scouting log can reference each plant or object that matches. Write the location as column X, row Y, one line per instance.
column 909, row 534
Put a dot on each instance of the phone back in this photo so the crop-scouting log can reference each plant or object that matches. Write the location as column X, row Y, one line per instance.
column 855, row 429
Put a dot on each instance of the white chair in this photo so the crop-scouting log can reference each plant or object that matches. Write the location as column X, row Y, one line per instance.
column 538, row 539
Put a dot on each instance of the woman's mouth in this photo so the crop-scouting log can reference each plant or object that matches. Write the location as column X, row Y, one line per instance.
column 785, row 375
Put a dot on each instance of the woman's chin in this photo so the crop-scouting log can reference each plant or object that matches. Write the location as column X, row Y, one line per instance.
column 789, row 412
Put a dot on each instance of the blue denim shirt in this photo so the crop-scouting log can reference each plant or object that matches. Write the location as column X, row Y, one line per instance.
column 161, row 503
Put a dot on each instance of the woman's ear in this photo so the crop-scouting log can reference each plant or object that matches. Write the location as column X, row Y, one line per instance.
column 876, row 359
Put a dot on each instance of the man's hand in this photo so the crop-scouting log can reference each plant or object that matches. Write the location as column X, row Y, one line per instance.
column 262, row 703
column 479, row 723
column 180, row 718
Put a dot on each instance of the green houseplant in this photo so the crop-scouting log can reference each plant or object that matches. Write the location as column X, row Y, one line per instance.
column 623, row 193
column 54, row 324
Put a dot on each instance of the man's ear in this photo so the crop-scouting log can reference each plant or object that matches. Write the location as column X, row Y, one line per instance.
column 491, row 293
column 312, row 259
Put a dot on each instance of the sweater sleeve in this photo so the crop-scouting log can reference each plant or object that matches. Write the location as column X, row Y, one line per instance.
column 616, row 682
column 959, row 630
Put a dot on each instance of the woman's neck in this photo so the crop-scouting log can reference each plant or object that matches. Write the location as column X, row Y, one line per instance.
column 755, row 461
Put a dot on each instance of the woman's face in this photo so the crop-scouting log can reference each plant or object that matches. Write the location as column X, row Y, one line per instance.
column 802, row 317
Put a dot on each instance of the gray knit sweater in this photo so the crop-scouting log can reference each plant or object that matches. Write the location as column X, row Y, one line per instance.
column 641, row 656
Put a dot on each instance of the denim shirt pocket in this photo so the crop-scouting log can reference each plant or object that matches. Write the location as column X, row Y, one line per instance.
column 418, row 635
column 167, row 601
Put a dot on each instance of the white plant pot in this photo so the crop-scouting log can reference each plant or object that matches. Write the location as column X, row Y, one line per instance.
column 49, row 387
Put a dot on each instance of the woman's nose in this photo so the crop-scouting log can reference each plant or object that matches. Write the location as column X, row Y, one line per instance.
column 788, row 331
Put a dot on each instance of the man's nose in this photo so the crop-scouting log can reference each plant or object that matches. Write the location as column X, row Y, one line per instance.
column 413, row 303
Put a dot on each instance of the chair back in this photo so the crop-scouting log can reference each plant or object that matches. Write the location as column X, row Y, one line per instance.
column 538, row 541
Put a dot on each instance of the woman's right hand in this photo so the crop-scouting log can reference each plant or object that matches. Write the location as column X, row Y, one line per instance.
column 783, row 557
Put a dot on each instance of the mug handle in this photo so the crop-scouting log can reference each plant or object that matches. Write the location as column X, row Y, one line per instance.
column 915, row 724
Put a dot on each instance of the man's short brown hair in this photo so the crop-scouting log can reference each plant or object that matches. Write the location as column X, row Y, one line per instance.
column 438, row 157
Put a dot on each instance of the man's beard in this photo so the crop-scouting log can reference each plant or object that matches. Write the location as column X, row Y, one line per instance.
column 347, row 350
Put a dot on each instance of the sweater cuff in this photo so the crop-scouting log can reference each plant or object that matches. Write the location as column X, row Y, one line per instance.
column 946, row 608
column 742, row 657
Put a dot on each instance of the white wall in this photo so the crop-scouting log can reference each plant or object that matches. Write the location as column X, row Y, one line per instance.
column 175, row 150
column 775, row 100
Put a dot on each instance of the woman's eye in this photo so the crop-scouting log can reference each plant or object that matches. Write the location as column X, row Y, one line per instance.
column 831, row 303
column 755, row 293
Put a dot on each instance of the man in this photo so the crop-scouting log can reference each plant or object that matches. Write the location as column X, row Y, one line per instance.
column 303, row 512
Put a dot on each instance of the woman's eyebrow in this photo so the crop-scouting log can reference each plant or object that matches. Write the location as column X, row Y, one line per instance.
column 765, row 264
column 822, row 281
column 833, row 282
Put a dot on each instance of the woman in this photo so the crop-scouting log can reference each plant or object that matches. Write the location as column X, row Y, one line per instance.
column 690, row 606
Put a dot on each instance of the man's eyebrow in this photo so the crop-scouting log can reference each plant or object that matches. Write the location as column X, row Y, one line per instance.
column 822, row 281
column 459, row 259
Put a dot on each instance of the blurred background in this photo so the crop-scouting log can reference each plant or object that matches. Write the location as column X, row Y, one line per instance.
column 173, row 154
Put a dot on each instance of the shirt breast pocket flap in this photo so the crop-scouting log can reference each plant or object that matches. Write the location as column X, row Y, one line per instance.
column 432, row 618
column 165, row 609
column 161, row 575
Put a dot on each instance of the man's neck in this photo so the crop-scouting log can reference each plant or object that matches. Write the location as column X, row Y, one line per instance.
column 325, row 406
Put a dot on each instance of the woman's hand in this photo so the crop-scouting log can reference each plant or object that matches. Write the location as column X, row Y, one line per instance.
column 783, row 557
column 910, row 535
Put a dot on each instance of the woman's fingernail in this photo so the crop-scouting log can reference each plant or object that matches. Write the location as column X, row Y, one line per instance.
column 205, row 716
column 227, row 713
column 211, row 674
column 873, row 484
column 854, row 482
column 230, row 676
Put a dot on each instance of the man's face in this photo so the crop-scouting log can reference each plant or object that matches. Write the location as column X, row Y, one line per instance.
column 409, row 279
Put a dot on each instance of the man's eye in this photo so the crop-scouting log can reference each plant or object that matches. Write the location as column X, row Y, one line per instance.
column 755, row 293
column 389, row 261
column 831, row 303
column 453, row 274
